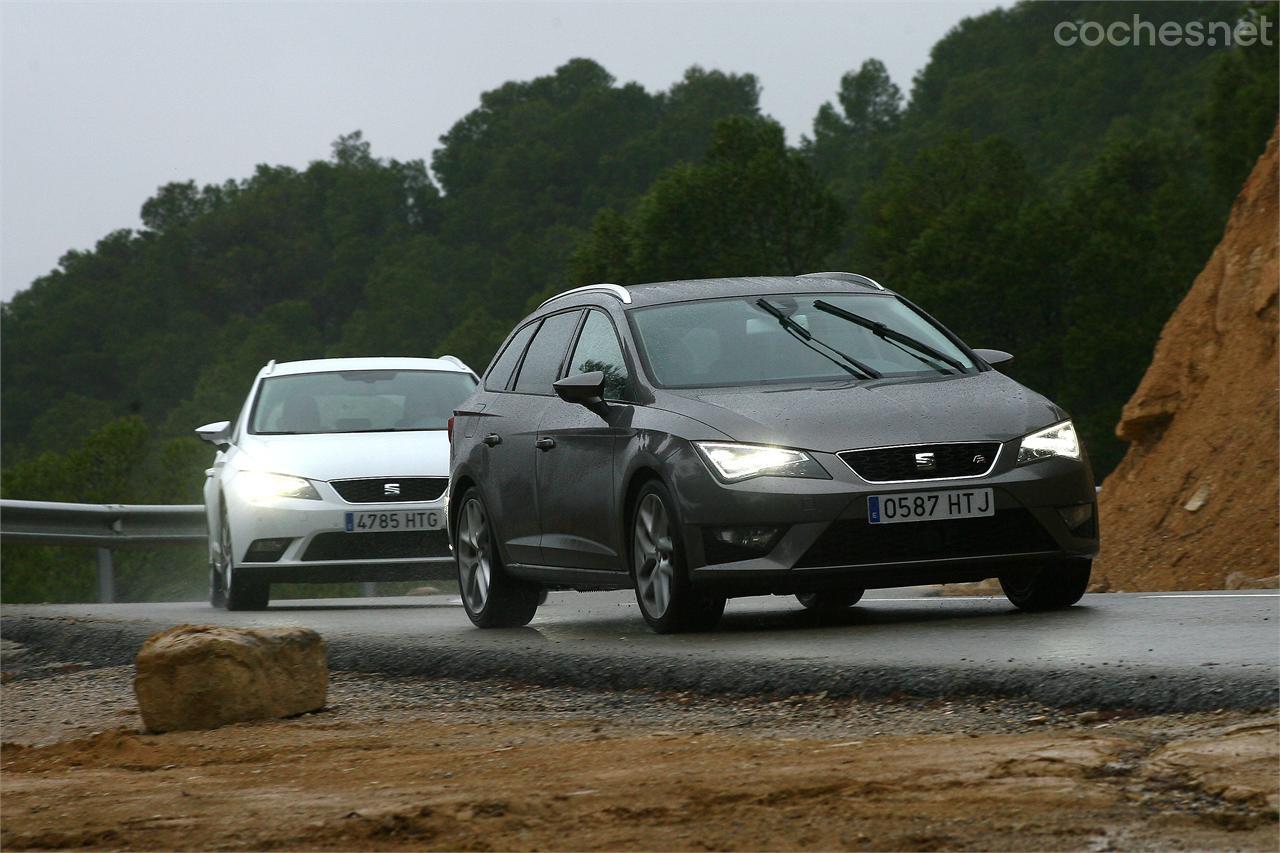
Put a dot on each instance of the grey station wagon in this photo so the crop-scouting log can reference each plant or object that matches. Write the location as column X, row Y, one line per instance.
column 815, row 436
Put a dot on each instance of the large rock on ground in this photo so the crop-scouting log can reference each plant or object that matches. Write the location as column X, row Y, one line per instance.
column 1194, row 502
column 205, row 676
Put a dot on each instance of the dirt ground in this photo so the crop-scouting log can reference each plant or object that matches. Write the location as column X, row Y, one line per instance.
column 405, row 764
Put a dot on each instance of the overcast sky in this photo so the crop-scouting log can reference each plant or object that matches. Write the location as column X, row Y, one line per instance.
column 105, row 102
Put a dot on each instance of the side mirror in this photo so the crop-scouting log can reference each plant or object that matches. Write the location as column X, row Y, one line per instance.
column 585, row 389
column 218, row 434
column 994, row 356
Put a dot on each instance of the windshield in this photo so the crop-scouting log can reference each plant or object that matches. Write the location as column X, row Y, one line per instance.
column 359, row 401
column 719, row 342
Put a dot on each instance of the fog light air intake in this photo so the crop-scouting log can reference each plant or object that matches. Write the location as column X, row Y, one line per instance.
column 1080, row 520
column 266, row 550
column 746, row 542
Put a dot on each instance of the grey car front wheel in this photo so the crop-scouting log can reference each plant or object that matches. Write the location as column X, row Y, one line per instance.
column 653, row 555
column 667, row 600
column 1053, row 587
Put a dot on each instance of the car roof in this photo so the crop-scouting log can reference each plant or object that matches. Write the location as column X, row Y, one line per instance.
column 657, row 293
column 662, row 292
column 446, row 363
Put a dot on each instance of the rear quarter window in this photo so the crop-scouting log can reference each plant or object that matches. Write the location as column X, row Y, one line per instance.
column 499, row 375
column 546, row 353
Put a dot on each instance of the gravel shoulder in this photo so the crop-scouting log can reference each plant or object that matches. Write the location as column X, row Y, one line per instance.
column 410, row 763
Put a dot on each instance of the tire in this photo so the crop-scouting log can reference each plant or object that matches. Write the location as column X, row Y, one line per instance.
column 491, row 597
column 830, row 601
column 237, row 593
column 659, row 571
column 217, row 595
column 1054, row 587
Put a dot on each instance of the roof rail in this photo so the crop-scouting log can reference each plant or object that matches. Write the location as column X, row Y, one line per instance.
column 271, row 365
column 453, row 359
column 851, row 277
column 612, row 289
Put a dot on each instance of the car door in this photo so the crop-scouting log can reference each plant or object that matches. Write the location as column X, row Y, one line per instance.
column 575, row 470
column 508, row 428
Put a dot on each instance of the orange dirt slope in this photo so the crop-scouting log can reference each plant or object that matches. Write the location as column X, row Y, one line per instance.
column 1193, row 505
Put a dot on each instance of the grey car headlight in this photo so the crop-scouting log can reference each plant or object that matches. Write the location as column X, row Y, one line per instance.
column 257, row 486
column 735, row 462
column 1057, row 440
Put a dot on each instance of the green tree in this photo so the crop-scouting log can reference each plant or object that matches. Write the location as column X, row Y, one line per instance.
column 1240, row 113
column 753, row 207
column 849, row 142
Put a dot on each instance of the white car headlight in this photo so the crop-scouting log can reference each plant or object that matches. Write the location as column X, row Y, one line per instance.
column 734, row 462
column 258, row 486
column 1057, row 440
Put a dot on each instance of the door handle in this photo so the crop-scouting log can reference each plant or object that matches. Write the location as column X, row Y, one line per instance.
column 492, row 439
column 545, row 443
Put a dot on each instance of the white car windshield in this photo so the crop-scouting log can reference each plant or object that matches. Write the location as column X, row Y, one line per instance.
column 358, row 401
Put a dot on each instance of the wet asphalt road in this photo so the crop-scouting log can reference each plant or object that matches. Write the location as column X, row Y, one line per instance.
column 1160, row 652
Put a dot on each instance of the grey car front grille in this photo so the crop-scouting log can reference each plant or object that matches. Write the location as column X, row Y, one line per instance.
column 923, row 461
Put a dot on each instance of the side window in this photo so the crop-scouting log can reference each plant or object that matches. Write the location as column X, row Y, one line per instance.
column 546, row 352
column 598, row 349
column 500, row 373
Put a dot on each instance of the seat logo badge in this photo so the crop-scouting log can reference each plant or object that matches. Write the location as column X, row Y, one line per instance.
column 979, row 460
column 391, row 488
column 925, row 462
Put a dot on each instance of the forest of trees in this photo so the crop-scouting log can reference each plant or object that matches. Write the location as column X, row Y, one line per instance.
column 1054, row 202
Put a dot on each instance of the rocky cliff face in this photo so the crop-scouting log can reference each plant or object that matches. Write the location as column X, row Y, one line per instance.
column 1193, row 505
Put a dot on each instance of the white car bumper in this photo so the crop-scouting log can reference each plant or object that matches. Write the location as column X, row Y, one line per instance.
column 281, row 540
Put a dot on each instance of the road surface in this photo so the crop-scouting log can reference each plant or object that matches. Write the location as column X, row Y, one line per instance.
column 1153, row 651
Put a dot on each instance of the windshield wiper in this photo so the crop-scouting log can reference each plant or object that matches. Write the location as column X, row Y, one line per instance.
column 892, row 335
column 850, row 364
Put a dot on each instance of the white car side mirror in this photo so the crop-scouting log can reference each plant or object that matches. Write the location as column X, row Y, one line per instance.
column 218, row 434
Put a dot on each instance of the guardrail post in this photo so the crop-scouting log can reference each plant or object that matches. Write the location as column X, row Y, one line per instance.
column 106, row 577
column 368, row 589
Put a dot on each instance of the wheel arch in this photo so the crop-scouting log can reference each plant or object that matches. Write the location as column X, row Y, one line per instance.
column 457, row 489
column 642, row 474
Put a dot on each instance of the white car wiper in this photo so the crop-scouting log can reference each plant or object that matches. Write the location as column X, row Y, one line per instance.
column 396, row 429
column 851, row 364
column 892, row 335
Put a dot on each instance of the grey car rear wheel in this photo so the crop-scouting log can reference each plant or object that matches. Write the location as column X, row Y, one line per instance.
column 491, row 597
column 832, row 601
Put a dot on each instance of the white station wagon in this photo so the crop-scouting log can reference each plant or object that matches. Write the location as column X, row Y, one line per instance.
column 336, row 470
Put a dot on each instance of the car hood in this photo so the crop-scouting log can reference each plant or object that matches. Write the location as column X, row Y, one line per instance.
column 343, row 456
column 832, row 417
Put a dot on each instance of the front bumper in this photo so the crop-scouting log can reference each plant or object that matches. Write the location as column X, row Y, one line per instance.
column 320, row 549
column 827, row 542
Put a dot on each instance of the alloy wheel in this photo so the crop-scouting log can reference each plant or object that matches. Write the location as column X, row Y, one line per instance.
column 654, row 555
column 474, row 560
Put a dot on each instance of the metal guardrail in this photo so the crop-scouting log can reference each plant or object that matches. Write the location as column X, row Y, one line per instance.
column 109, row 526
column 104, row 526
